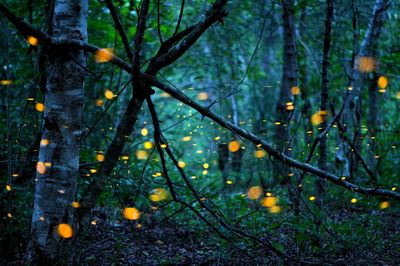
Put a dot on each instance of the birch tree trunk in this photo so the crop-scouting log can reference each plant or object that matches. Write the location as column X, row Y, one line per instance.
column 58, row 163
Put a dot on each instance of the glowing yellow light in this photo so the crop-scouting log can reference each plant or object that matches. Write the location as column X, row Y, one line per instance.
column 109, row 94
column 9, row 215
column 32, row 40
column 353, row 200
column 217, row 138
column 148, row 145
column 259, row 154
column 141, row 154
column 383, row 82
column 384, row 204
column 5, row 82
column 157, row 174
column 93, row 170
column 350, row 88
column 144, row 132
column 104, row 55
column 76, row 204
column 206, row 165
column 312, row 198
column 8, row 187
column 366, row 64
column 295, row 90
column 163, row 146
column 229, row 182
column 65, row 230
column 158, row 194
column 254, row 192
column 131, row 213
column 39, row 107
column 44, row 142
column 398, row 95
column 205, row 172
column 99, row 102
column 275, row 209
column 99, row 156
column 268, row 194
column 394, row 188
column 94, row 222
column 165, row 95
column 234, row 146
column 181, row 164
column 318, row 117
column 289, row 106
column 187, row 138
column 277, row 123
column 40, row 168
column 269, row 202
column 202, row 96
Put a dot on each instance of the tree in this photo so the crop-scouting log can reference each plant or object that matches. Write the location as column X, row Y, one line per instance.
column 364, row 63
column 285, row 106
column 53, row 220
column 323, row 149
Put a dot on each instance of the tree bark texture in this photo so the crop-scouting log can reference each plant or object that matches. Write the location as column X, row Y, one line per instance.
column 289, row 80
column 58, row 163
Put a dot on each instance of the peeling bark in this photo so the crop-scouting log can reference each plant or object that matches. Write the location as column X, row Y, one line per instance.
column 60, row 146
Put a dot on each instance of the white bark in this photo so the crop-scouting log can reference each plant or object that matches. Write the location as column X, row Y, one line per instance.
column 56, row 187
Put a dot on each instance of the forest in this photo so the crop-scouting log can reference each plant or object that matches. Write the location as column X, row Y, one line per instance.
column 199, row 132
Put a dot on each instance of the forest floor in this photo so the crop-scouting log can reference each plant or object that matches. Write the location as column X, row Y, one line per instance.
column 171, row 244
column 117, row 242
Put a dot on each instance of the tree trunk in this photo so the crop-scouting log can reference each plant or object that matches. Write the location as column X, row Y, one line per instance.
column 323, row 149
column 58, row 164
column 353, row 108
column 289, row 80
column 374, row 28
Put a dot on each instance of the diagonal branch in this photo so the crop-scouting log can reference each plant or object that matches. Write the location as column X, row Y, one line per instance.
column 325, row 132
column 177, row 94
column 119, row 27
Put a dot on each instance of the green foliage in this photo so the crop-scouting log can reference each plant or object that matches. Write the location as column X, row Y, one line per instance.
column 238, row 59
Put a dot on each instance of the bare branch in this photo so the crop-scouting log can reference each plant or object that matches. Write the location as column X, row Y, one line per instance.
column 180, row 17
column 119, row 27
